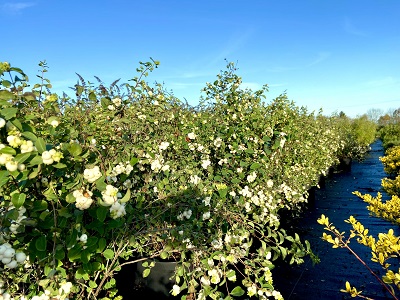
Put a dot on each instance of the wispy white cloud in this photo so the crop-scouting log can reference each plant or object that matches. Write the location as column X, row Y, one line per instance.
column 15, row 7
column 280, row 69
column 350, row 28
column 237, row 40
column 205, row 66
column 322, row 56
column 382, row 82
column 273, row 85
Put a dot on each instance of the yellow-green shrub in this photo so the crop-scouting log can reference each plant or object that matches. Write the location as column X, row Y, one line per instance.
column 388, row 210
column 391, row 186
column 383, row 250
column 391, row 160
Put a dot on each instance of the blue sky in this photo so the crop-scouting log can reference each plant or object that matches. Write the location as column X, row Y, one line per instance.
column 338, row 55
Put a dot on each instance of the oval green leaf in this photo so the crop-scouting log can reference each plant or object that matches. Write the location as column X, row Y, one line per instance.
column 108, row 253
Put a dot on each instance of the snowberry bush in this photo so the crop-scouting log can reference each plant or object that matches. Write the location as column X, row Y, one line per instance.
column 119, row 174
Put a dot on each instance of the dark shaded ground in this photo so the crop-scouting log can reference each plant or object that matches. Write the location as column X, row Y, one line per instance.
column 324, row 280
column 336, row 201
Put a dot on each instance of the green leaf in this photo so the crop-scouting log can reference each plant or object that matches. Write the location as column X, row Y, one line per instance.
column 17, row 124
column 243, row 163
column 40, row 145
column 34, row 173
column 47, row 271
column 92, row 96
column 255, row 166
column 237, row 292
column 29, row 96
column 6, row 83
column 44, row 215
column 6, row 95
column 18, row 70
column 18, row 199
column 92, row 284
column 164, row 255
column 60, row 166
column 134, row 161
column 108, row 253
column 9, row 112
column 12, row 214
column 85, row 256
column 4, row 177
column 29, row 136
column 50, row 194
column 235, row 180
column 20, row 158
column 39, row 205
column 80, row 273
column 37, row 160
column 74, row 253
column 96, row 266
column 283, row 251
column 75, row 149
column 127, row 196
column 105, row 102
column 146, row 272
column 222, row 193
column 102, row 245
column 41, row 243
column 91, row 241
column 101, row 184
column 8, row 150
column 70, row 198
column 60, row 254
column 218, row 178
column 101, row 213
column 64, row 212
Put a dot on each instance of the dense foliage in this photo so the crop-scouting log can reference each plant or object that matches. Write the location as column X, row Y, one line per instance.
column 389, row 129
column 124, row 173
column 356, row 135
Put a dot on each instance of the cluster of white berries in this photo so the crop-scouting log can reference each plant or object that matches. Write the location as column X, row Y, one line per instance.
column 9, row 257
column 218, row 142
column 91, row 175
column 205, row 163
column 116, row 103
column 192, row 135
column 194, row 179
column 119, row 169
column 83, row 238
column 8, row 161
column 27, row 146
column 110, row 195
column 251, row 177
column 53, row 122
column 206, row 215
column 117, row 210
column 83, row 199
column 163, row 146
column 14, row 141
column 51, row 156
column 186, row 214
column 15, row 224
column 157, row 164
